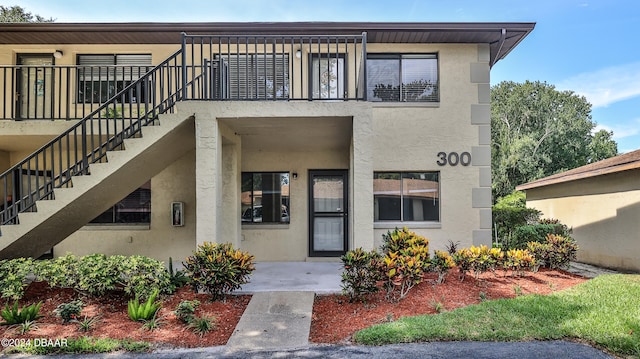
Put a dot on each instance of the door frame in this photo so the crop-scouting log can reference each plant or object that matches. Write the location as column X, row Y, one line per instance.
column 20, row 83
column 344, row 214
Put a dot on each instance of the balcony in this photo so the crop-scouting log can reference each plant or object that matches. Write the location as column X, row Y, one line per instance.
column 213, row 68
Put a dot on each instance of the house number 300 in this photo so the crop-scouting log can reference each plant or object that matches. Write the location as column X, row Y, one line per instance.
column 453, row 158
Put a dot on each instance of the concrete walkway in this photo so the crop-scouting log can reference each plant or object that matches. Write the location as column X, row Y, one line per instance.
column 279, row 313
column 274, row 320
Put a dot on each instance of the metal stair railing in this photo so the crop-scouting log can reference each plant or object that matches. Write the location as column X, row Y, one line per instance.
column 88, row 141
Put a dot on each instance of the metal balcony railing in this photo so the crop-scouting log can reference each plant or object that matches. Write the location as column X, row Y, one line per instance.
column 275, row 67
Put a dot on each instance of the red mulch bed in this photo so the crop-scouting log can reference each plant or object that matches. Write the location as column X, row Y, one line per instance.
column 334, row 318
column 115, row 323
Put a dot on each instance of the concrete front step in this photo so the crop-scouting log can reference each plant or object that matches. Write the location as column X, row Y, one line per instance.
column 274, row 320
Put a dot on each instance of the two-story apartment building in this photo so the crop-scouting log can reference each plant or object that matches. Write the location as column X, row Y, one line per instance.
column 290, row 140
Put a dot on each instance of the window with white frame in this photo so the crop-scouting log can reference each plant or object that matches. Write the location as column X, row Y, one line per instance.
column 101, row 76
column 265, row 197
column 406, row 196
column 402, row 77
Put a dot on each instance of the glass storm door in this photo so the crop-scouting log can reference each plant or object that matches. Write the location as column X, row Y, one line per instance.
column 35, row 97
column 328, row 217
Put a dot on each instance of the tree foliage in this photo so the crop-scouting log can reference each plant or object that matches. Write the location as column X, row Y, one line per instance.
column 537, row 131
column 18, row 14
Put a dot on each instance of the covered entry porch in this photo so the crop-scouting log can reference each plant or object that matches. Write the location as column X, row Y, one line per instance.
column 283, row 178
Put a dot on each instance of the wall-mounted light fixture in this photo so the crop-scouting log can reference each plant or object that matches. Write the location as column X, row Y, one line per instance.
column 58, row 54
column 295, row 175
column 298, row 54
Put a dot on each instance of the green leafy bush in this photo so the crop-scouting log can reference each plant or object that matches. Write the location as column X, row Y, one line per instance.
column 97, row 274
column 144, row 311
column 13, row 277
column 562, row 251
column 535, row 233
column 15, row 315
column 141, row 276
column 186, row 310
column 218, row 269
column 441, row 263
column 69, row 311
column 540, row 253
column 361, row 273
column 405, row 262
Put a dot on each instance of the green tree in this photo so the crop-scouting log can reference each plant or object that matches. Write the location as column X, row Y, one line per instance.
column 538, row 131
column 17, row 14
column 602, row 146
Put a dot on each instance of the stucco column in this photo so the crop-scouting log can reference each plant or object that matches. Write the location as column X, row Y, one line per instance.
column 361, row 180
column 208, row 180
column 231, row 186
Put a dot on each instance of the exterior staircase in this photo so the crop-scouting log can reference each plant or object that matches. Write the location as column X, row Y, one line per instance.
column 89, row 195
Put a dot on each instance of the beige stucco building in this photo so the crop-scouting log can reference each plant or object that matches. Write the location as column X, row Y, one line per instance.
column 293, row 141
column 601, row 202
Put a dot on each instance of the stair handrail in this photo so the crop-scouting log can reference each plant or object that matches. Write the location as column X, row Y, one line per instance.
column 165, row 77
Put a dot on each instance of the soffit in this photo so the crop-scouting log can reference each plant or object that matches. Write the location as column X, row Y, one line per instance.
column 502, row 37
column 298, row 134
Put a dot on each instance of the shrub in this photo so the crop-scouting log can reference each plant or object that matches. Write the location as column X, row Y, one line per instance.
column 96, row 274
column 478, row 259
column 16, row 315
column 561, row 252
column 361, row 273
column 535, row 233
column 145, row 311
column 13, row 277
column 441, row 263
column 540, row 253
column 518, row 261
column 405, row 262
column 186, row 310
column 141, row 276
column 218, row 269
column 69, row 311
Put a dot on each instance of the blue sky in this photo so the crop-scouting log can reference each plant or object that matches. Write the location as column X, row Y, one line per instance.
column 586, row 46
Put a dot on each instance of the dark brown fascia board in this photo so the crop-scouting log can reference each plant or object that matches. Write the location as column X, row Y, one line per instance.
column 258, row 27
column 577, row 176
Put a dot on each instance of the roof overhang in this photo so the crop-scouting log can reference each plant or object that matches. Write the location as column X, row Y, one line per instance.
column 501, row 37
column 625, row 162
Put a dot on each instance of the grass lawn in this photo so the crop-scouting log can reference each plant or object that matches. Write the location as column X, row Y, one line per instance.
column 604, row 311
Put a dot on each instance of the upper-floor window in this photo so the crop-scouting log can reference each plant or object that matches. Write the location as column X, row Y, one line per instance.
column 102, row 76
column 402, row 77
column 256, row 76
column 406, row 196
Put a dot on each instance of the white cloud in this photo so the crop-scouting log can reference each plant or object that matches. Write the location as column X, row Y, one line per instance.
column 620, row 130
column 606, row 86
